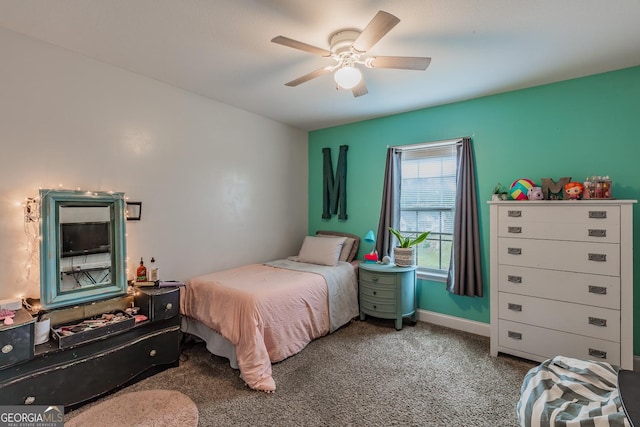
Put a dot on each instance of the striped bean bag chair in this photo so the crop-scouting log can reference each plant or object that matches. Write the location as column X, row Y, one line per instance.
column 567, row 392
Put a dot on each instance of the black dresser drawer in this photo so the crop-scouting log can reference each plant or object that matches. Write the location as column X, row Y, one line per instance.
column 158, row 303
column 76, row 381
column 16, row 340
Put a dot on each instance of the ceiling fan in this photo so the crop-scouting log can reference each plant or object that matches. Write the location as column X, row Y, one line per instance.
column 348, row 48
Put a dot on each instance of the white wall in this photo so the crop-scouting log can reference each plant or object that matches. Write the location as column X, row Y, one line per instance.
column 219, row 186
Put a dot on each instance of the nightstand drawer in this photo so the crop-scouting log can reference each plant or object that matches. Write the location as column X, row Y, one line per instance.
column 378, row 292
column 378, row 307
column 375, row 278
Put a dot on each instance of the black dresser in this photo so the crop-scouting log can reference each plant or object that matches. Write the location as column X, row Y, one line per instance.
column 76, row 375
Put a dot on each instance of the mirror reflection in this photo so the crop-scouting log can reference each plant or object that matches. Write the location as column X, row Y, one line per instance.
column 85, row 247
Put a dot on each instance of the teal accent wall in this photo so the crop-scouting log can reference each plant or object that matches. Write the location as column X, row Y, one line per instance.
column 581, row 127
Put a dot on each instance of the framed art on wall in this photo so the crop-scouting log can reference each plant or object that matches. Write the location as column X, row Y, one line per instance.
column 134, row 211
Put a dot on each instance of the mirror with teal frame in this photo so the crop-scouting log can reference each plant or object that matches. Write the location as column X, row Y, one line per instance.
column 83, row 248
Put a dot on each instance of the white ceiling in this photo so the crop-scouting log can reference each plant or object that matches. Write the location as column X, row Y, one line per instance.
column 221, row 49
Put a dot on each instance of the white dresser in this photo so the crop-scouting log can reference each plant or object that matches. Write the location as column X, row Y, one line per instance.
column 562, row 279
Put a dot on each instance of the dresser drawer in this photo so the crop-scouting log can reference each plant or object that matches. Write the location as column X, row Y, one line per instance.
column 100, row 371
column 378, row 292
column 580, row 257
column 581, row 288
column 541, row 219
column 579, row 319
column 560, row 231
column 546, row 343
column 17, row 339
column 158, row 303
column 375, row 278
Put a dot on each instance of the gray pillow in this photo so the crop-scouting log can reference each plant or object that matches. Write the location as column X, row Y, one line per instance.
column 346, row 247
column 356, row 242
column 321, row 250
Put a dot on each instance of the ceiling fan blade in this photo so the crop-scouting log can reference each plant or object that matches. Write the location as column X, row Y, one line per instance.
column 380, row 25
column 307, row 77
column 400, row 62
column 286, row 41
column 360, row 89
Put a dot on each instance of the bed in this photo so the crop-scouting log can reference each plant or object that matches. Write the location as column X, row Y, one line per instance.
column 259, row 314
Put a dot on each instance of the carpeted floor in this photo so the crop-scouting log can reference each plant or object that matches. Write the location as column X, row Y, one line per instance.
column 145, row 408
column 365, row 374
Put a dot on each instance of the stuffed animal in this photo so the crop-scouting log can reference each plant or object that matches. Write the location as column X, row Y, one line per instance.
column 535, row 193
column 573, row 190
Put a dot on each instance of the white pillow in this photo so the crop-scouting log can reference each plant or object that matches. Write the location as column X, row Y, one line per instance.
column 346, row 246
column 321, row 250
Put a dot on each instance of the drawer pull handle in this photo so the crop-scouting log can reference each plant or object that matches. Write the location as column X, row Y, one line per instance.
column 169, row 306
column 375, row 292
column 598, row 257
column 514, row 251
column 594, row 232
column 514, row 214
column 596, row 321
column 7, row 348
column 514, row 307
column 515, row 335
column 514, row 279
column 152, row 353
column 597, row 353
column 29, row 400
column 598, row 214
column 374, row 279
column 600, row 290
column 375, row 307
column 514, row 230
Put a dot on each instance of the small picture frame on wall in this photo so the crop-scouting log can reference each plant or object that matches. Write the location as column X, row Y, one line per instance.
column 134, row 211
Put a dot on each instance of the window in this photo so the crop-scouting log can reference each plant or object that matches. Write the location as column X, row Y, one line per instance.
column 427, row 203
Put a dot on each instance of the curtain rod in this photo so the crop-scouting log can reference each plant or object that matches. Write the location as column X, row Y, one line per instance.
column 458, row 141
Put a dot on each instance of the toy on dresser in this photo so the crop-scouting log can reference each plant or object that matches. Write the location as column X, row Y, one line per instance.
column 535, row 193
column 7, row 316
column 573, row 190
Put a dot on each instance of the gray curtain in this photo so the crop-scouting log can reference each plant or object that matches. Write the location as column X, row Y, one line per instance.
column 465, row 273
column 390, row 211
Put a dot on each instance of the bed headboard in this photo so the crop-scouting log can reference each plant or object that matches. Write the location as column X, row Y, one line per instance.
column 356, row 243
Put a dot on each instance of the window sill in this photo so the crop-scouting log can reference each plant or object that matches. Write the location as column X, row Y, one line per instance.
column 432, row 276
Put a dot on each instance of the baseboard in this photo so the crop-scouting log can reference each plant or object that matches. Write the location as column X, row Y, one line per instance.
column 478, row 328
column 472, row 326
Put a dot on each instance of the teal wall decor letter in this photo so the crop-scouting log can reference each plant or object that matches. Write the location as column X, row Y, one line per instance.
column 334, row 192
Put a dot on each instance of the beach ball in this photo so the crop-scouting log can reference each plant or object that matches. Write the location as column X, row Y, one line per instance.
column 520, row 188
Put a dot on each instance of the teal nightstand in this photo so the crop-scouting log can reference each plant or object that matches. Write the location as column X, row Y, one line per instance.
column 388, row 292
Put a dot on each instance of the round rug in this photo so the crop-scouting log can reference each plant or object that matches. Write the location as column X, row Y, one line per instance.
column 140, row 408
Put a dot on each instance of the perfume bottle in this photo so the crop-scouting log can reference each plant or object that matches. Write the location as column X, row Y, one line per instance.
column 153, row 270
column 141, row 272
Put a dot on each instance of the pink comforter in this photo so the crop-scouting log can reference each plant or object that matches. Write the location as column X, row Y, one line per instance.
column 268, row 313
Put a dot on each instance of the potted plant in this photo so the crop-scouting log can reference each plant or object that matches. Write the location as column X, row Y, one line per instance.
column 403, row 254
column 499, row 192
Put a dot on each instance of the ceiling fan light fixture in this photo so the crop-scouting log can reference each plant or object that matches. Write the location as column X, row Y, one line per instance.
column 347, row 77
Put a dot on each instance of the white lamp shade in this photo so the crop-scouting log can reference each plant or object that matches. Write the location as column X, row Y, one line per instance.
column 347, row 77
